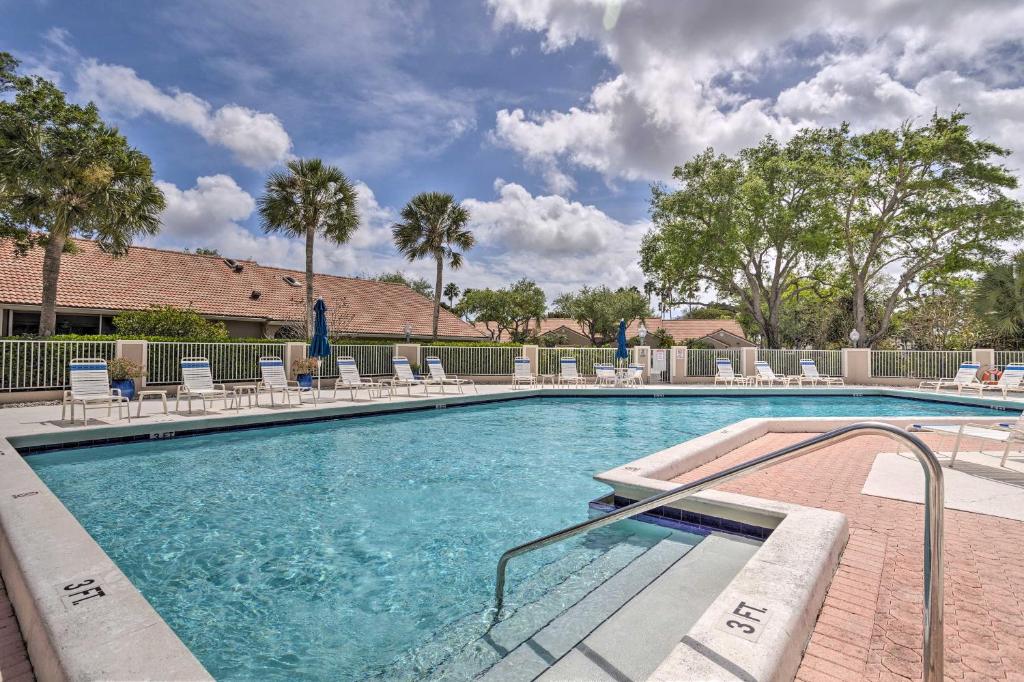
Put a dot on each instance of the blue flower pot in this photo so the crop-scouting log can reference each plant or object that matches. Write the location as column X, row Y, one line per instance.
column 126, row 386
column 305, row 380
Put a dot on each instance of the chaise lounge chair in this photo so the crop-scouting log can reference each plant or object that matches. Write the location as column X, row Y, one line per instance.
column 90, row 387
column 727, row 375
column 1009, row 380
column 636, row 377
column 568, row 372
column 1003, row 432
column 522, row 375
column 274, row 380
column 438, row 377
column 809, row 373
column 197, row 382
column 966, row 376
column 404, row 376
column 765, row 374
column 349, row 379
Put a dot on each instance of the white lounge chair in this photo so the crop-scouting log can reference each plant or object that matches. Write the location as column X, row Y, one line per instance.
column 274, row 380
column 636, row 377
column 568, row 372
column 966, row 375
column 1010, row 380
column 809, row 373
column 766, row 375
column 438, row 377
column 90, row 387
column 1003, row 432
column 727, row 375
column 349, row 379
column 604, row 375
column 197, row 382
column 404, row 376
column 522, row 375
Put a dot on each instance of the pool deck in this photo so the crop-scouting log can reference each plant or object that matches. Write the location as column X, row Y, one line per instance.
column 869, row 627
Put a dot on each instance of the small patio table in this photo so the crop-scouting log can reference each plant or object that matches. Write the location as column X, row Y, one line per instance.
column 142, row 394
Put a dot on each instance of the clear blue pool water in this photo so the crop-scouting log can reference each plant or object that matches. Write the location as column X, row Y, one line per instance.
column 328, row 550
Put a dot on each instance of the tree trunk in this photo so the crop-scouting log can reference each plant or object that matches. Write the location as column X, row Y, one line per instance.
column 437, row 297
column 860, row 310
column 51, row 273
column 310, row 235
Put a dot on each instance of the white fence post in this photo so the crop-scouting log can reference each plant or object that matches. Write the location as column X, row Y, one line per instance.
column 747, row 361
column 677, row 361
column 137, row 352
column 856, row 365
column 986, row 357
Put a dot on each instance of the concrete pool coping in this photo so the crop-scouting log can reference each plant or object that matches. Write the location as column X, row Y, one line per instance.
column 82, row 618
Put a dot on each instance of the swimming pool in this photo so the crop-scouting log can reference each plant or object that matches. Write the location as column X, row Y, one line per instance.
column 328, row 550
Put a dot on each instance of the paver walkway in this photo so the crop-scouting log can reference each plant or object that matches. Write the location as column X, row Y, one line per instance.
column 14, row 663
column 870, row 624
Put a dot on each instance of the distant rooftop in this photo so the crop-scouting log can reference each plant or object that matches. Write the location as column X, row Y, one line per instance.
column 146, row 277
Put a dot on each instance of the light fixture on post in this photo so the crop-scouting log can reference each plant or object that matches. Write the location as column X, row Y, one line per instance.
column 408, row 332
column 855, row 337
column 642, row 332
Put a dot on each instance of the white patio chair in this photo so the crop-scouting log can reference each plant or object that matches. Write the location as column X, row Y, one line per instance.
column 522, row 374
column 90, row 387
column 766, row 375
column 197, row 382
column 809, row 373
column 404, row 376
column 569, row 373
column 727, row 375
column 274, row 380
column 1003, row 432
column 966, row 376
column 1010, row 380
column 438, row 377
column 350, row 380
column 604, row 375
column 636, row 377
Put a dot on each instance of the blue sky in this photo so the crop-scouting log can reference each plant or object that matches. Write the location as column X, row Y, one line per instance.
column 550, row 118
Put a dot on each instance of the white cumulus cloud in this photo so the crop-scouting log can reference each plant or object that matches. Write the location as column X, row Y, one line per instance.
column 257, row 139
column 688, row 75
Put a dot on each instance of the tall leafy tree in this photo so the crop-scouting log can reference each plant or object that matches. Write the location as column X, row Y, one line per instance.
column 916, row 203
column 64, row 172
column 309, row 199
column 598, row 310
column 434, row 226
column 510, row 309
column 750, row 228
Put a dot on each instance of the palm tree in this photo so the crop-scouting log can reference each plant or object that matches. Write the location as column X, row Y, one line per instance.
column 63, row 171
column 451, row 292
column 433, row 225
column 310, row 198
column 999, row 298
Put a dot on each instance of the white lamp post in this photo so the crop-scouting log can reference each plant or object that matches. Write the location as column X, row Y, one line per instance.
column 642, row 332
column 855, row 337
column 408, row 331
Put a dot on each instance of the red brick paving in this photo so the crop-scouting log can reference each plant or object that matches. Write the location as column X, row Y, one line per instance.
column 14, row 663
column 870, row 624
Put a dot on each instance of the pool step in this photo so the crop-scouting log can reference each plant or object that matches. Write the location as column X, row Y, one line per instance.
column 648, row 544
column 535, row 600
column 637, row 637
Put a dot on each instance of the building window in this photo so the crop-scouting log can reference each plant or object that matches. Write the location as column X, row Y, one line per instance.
column 26, row 323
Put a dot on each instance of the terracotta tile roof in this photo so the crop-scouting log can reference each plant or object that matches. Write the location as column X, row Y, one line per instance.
column 679, row 329
column 146, row 277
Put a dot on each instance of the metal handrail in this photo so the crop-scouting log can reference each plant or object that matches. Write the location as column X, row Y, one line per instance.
column 933, row 506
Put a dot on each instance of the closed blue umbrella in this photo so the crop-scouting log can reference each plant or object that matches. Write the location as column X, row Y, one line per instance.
column 621, row 353
column 319, row 346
